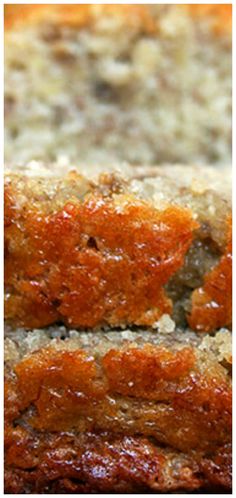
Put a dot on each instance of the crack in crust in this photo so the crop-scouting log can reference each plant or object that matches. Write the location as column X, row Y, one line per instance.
column 212, row 303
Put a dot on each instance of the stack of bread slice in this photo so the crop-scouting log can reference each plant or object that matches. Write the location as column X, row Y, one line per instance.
column 118, row 277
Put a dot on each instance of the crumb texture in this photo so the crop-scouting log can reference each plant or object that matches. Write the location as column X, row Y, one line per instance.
column 140, row 83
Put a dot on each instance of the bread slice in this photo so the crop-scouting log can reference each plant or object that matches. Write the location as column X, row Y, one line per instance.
column 117, row 411
column 141, row 83
column 113, row 251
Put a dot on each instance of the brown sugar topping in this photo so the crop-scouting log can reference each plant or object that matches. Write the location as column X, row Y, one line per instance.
column 140, row 372
column 58, row 389
column 92, row 262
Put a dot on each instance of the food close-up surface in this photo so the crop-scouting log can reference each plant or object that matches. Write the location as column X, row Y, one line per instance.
column 144, row 84
column 118, row 249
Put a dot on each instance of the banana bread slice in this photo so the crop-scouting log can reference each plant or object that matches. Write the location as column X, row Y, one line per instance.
column 141, row 83
column 125, row 411
column 112, row 252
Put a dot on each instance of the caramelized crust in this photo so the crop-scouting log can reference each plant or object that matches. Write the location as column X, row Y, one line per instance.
column 151, row 390
column 212, row 303
column 117, row 411
column 39, row 463
column 102, row 258
column 144, row 370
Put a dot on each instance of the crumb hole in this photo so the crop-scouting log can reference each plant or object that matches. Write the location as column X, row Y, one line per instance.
column 92, row 243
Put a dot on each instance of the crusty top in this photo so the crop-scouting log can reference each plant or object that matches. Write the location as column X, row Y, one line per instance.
column 73, row 246
column 139, row 16
column 113, row 252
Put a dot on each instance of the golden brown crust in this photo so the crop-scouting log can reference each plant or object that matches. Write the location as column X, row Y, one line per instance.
column 152, row 391
column 99, row 260
column 139, row 16
column 139, row 372
column 166, row 410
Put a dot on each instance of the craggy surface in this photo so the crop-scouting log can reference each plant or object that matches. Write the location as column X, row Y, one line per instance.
column 176, row 395
column 212, row 303
column 127, row 250
column 151, row 391
column 91, row 258
column 90, row 255
column 71, row 463
column 164, row 399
